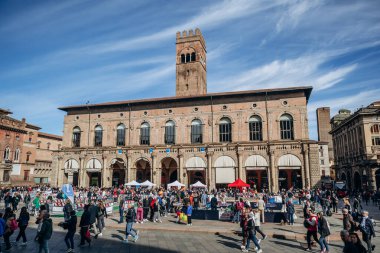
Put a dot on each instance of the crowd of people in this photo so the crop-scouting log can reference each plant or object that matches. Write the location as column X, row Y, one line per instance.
column 141, row 205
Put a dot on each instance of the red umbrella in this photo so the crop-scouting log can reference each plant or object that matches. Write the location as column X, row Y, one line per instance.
column 239, row 184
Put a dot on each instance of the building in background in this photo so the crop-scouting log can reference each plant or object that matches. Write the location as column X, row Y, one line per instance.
column 18, row 148
column 356, row 141
column 260, row 136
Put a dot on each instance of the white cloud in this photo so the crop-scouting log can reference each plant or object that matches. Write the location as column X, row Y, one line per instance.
column 333, row 77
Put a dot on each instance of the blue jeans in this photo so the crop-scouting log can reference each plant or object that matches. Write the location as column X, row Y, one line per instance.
column 291, row 218
column 254, row 239
column 237, row 217
column 44, row 246
column 121, row 212
column 323, row 243
column 69, row 239
column 130, row 230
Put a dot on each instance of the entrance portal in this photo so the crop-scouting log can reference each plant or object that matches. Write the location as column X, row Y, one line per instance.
column 143, row 170
column 95, row 178
column 169, row 171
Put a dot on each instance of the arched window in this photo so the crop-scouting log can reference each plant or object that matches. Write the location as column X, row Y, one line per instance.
column 193, row 56
column 98, row 136
column 120, row 138
column 76, row 137
column 255, row 129
column 225, row 128
column 286, row 127
column 170, row 132
column 7, row 153
column 375, row 129
column 17, row 155
column 183, row 58
column 196, row 131
column 38, row 144
column 187, row 57
column 145, row 134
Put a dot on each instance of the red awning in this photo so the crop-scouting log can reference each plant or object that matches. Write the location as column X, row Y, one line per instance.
column 238, row 183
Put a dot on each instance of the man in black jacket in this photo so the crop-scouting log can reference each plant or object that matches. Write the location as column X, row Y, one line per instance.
column 93, row 211
column 45, row 233
column 366, row 227
column 71, row 224
column 84, row 226
column 130, row 218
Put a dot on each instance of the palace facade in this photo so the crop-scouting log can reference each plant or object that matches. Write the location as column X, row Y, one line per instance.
column 260, row 136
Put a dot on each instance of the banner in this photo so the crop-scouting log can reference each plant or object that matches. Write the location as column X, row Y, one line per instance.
column 67, row 189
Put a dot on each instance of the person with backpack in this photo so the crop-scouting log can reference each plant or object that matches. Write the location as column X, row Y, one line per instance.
column 290, row 211
column 71, row 225
column 67, row 208
column 129, row 230
column 23, row 221
column 324, row 231
column 45, row 233
column 2, row 227
column 10, row 226
column 312, row 228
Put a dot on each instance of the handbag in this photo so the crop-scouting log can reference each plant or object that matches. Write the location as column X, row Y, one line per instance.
column 294, row 216
column 88, row 235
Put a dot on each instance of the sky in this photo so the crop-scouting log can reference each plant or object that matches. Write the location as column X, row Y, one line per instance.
column 62, row 53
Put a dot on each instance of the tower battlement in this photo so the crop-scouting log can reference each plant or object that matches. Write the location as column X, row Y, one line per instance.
column 189, row 35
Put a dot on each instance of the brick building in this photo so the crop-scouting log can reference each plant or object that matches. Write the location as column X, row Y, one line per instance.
column 260, row 136
column 19, row 150
column 356, row 139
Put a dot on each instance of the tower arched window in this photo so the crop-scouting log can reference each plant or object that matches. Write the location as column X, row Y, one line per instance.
column 170, row 132
column 286, row 127
column 145, row 134
column 7, row 153
column 255, row 129
column 120, row 135
column 187, row 57
column 17, row 155
column 183, row 58
column 98, row 140
column 76, row 137
column 193, row 56
column 196, row 131
column 225, row 130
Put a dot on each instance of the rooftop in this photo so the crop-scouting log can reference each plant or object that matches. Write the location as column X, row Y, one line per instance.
column 306, row 89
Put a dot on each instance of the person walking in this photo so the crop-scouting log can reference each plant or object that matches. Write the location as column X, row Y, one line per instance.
column 156, row 211
column 93, row 210
column 71, row 225
column 349, row 247
column 359, row 247
column 10, row 226
column 129, row 230
column 101, row 212
column 334, row 201
column 290, row 211
column 256, row 212
column 84, row 225
column 324, row 231
column 45, row 233
column 2, row 227
column 312, row 228
column 252, row 235
column 366, row 227
column 145, row 208
column 36, row 204
column 140, row 213
column 23, row 221
column 348, row 221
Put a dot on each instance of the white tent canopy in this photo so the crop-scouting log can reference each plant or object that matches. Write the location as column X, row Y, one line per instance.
column 198, row 185
column 175, row 184
column 147, row 183
column 133, row 183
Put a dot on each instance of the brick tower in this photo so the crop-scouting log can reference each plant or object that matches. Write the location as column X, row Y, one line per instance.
column 190, row 64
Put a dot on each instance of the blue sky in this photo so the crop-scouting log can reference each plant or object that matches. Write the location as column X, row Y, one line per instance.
column 60, row 53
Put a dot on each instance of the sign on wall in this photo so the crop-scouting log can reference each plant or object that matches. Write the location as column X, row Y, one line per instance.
column 16, row 170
